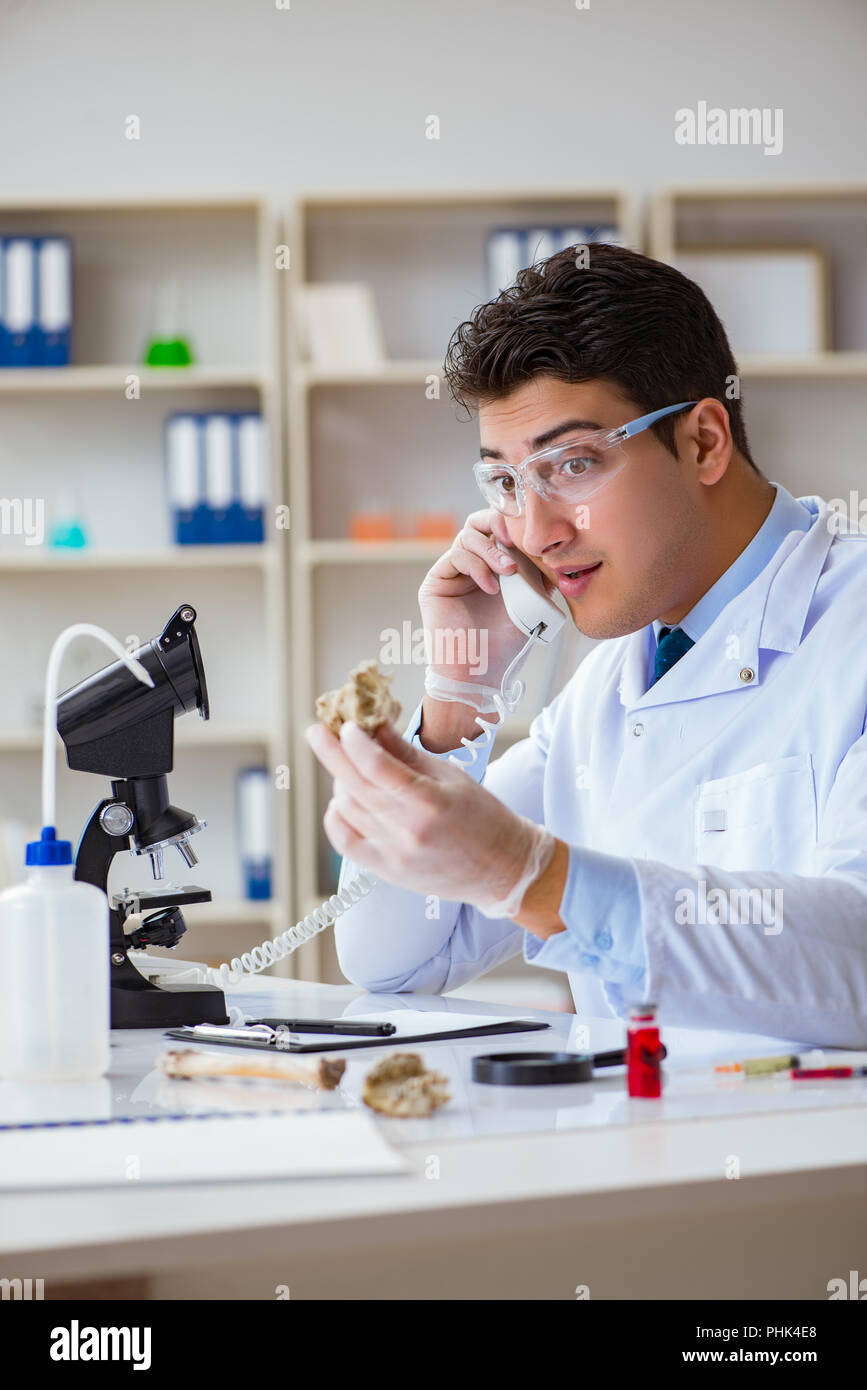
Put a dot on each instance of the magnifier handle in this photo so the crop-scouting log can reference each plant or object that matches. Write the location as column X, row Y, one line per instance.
column 617, row 1058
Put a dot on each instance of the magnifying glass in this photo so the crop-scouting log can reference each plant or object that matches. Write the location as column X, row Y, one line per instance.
column 544, row 1068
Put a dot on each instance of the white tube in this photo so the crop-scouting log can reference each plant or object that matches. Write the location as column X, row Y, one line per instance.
column 52, row 676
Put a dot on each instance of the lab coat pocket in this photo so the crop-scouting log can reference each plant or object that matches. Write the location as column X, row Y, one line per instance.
column 763, row 818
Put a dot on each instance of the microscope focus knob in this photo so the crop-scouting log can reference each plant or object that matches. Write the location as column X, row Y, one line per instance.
column 116, row 818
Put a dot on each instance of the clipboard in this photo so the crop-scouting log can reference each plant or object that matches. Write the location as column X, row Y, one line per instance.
column 351, row 1043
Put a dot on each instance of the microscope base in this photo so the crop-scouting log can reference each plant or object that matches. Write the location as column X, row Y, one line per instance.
column 166, row 1007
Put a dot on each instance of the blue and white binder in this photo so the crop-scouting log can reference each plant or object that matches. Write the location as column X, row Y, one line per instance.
column 554, row 239
column 564, row 237
column 216, row 477
column 220, row 470
column 542, row 242
column 510, row 249
column 185, row 479
column 53, row 302
column 506, row 255
column 4, row 332
column 255, row 791
column 251, row 454
column 19, row 302
column 572, row 236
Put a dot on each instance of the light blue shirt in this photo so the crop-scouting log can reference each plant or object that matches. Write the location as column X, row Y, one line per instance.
column 786, row 514
column 601, row 901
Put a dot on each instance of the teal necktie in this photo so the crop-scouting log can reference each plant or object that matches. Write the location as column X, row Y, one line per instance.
column 671, row 645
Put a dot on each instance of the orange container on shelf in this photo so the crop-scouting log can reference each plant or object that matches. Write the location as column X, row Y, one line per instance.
column 372, row 526
column 436, row 526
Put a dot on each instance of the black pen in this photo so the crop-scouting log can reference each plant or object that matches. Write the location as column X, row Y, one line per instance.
column 328, row 1025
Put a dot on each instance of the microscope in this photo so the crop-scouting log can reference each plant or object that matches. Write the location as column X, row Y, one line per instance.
column 114, row 725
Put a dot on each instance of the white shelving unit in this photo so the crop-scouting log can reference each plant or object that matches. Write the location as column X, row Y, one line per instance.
column 805, row 415
column 353, row 438
column 75, row 428
column 356, row 437
column 101, row 378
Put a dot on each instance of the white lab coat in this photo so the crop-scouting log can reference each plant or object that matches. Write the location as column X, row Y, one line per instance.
column 744, row 769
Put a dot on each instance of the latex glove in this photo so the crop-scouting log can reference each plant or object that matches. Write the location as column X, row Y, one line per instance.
column 416, row 821
column 461, row 594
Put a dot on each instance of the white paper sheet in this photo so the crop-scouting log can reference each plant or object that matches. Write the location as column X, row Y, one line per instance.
column 412, row 1022
column 196, row 1149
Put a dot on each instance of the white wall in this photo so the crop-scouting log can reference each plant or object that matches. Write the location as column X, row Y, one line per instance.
column 237, row 95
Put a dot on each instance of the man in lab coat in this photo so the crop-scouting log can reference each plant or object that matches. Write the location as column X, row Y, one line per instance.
column 687, row 820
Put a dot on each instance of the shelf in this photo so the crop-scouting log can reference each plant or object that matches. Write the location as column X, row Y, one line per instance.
column 413, row 372
column 179, row 557
column 407, row 371
column 830, row 365
column 747, row 192
column 96, row 202
column 71, row 428
column 456, row 197
column 829, row 217
column 108, row 378
column 359, row 552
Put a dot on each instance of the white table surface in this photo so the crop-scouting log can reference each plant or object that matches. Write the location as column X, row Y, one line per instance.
column 508, row 1148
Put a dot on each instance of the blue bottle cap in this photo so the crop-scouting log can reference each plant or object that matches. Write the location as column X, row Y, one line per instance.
column 48, row 849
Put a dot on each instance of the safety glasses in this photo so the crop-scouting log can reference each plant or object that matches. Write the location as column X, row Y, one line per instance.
column 569, row 472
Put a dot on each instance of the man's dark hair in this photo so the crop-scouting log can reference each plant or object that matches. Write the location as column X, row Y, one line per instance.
column 623, row 318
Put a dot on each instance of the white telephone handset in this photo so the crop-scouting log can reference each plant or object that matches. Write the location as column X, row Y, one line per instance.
column 526, row 598
column 540, row 619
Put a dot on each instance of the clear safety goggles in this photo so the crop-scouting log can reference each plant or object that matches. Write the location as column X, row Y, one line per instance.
column 568, row 472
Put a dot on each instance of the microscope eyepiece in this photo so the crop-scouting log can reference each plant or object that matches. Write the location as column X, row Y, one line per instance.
column 111, row 723
column 181, row 657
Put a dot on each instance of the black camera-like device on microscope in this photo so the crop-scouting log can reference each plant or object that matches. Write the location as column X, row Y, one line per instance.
column 115, row 726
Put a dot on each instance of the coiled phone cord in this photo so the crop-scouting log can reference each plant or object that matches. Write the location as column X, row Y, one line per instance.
column 504, row 701
column 252, row 962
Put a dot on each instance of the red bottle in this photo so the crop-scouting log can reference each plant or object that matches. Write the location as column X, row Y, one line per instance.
column 643, row 1052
